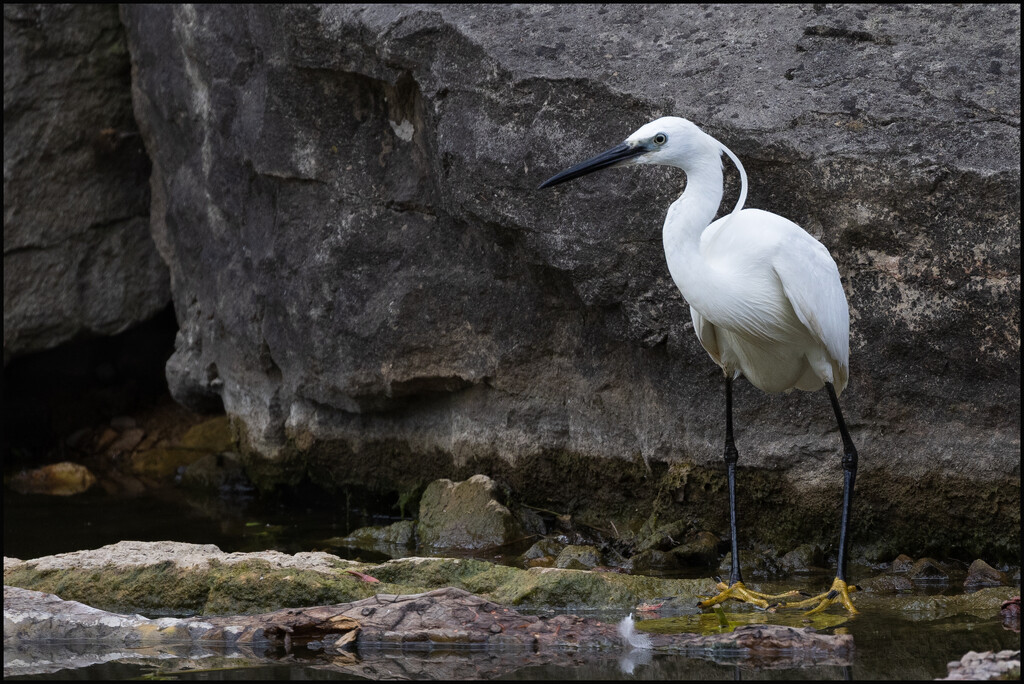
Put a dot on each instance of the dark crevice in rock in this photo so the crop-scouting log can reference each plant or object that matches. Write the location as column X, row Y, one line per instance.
column 51, row 394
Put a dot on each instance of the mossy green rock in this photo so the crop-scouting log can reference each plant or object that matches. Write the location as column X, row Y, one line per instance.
column 575, row 557
column 169, row 578
column 213, row 436
column 401, row 533
column 465, row 515
column 163, row 463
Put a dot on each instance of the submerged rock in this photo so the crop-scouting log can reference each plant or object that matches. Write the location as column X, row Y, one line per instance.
column 437, row 620
column 465, row 515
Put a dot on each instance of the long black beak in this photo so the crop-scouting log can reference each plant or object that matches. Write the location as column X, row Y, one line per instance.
column 611, row 157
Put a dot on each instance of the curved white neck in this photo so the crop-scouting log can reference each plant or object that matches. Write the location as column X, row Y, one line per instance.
column 687, row 219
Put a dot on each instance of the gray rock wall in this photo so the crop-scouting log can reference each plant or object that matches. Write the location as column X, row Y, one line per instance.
column 366, row 276
column 78, row 257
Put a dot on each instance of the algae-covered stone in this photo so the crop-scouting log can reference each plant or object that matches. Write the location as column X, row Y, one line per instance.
column 58, row 479
column 701, row 550
column 170, row 578
column 399, row 534
column 663, row 537
column 983, row 603
column 212, row 436
column 165, row 578
column 465, row 515
column 802, row 559
column 544, row 548
column 653, row 560
column 887, row 583
column 163, row 463
column 902, row 563
column 928, row 570
column 753, row 563
column 575, row 557
column 579, row 589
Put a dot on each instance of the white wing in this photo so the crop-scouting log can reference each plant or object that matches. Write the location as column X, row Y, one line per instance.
column 810, row 279
column 706, row 335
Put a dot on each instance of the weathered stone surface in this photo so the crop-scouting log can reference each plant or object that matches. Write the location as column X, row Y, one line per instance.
column 981, row 574
column 365, row 275
column 928, row 570
column 887, row 583
column 804, row 558
column 465, row 515
column 902, row 564
column 544, row 548
column 1010, row 611
column 575, row 557
column 78, row 256
column 440, row 620
column 985, row 666
column 401, row 534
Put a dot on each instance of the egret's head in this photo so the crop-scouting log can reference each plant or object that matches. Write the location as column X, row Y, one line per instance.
column 669, row 140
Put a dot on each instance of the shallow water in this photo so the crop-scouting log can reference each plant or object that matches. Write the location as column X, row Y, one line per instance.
column 889, row 644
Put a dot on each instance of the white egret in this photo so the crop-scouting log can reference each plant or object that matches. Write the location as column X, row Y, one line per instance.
column 765, row 298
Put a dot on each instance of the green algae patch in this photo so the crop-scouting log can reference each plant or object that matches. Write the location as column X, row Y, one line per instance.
column 982, row 603
column 711, row 623
column 164, row 589
column 211, row 436
column 256, row 586
column 479, row 577
column 537, row 587
column 248, row 586
column 582, row 589
column 158, row 590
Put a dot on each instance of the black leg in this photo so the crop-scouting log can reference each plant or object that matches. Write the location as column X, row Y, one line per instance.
column 731, row 456
column 849, row 475
column 735, row 589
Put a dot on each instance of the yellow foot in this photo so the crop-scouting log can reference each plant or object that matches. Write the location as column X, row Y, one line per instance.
column 741, row 593
column 840, row 592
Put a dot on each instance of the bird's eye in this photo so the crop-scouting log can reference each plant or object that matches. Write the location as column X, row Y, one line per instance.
column 660, row 139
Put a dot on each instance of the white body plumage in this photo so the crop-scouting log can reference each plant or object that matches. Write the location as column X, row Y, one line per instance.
column 765, row 296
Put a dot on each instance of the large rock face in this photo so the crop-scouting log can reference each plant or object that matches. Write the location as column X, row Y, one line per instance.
column 366, row 276
column 78, row 256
